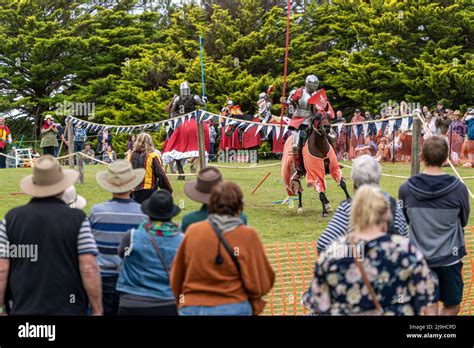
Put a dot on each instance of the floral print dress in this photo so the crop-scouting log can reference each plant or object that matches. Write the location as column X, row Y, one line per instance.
column 397, row 271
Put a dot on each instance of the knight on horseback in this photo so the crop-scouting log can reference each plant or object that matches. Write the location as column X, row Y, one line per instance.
column 264, row 105
column 303, row 114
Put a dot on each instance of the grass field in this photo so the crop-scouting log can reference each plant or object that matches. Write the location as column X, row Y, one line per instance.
column 274, row 223
column 289, row 238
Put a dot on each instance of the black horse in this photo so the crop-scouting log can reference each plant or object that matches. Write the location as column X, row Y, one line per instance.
column 320, row 148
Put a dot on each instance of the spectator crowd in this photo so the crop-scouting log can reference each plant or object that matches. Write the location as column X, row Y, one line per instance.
column 394, row 143
column 130, row 257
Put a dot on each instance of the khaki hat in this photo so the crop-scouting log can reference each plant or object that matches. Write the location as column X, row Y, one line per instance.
column 200, row 190
column 120, row 177
column 48, row 179
column 457, row 112
column 71, row 198
column 48, row 117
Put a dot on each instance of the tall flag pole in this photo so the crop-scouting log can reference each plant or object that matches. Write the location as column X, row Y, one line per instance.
column 202, row 66
column 285, row 72
column 200, row 117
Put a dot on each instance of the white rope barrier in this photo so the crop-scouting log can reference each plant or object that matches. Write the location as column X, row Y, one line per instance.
column 251, row 166
column 387, row 175
column 7, row 156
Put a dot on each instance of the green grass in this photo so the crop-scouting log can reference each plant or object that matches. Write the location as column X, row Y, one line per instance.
column 274, row 223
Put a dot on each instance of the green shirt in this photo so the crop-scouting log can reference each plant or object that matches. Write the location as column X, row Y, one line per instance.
column 201, row 215
column 49, row 138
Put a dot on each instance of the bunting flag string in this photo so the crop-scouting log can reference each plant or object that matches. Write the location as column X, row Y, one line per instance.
column 175, row 122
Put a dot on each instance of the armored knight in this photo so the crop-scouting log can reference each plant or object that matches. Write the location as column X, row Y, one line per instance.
column 303, row 114
column 264, row 105
column 186, row 102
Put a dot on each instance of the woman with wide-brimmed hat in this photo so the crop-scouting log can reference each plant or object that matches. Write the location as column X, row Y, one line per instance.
column 49, row 140
column 148, row 252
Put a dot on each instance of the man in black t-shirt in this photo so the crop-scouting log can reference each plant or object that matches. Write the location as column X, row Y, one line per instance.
column 47, row 250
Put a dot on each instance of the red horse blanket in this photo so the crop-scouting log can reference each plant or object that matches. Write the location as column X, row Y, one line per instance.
column 184, row 142
column 315, row 172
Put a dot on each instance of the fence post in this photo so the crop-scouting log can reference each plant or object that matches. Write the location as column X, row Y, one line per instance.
column 201, row 144
column 415, row 146
column 70, row 144
column 80, row 165
column 394, row 134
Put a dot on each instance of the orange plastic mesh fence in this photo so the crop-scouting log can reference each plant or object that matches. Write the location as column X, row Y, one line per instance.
column 293, row 264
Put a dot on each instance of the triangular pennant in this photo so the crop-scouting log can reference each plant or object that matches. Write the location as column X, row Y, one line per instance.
column 178, row 123
column 389, row 128
column 268, row 131
column 365, row 127
column 248, row 127
column 243, row 125
column 354, row 130
column 200, row 116
column 277, row 132
column 404, row 124
column 378, row 126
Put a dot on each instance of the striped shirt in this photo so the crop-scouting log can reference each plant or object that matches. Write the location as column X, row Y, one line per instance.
column 85, row 240
column 339, row 225
column 109, row 222
column 155, row 176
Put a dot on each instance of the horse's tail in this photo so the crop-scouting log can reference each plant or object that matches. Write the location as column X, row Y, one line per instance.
column 288, row 166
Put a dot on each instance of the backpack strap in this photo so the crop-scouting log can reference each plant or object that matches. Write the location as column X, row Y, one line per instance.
column 227, row 247
column 158, row 253
column 373, row 296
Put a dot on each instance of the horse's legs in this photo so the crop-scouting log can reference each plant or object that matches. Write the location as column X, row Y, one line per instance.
column 300, row 203
column 179, row 165
column 344, row 188
column 325, row 202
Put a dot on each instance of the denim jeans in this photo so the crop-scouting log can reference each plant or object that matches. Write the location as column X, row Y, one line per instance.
column 78, row 146
column 110, row 296
column 232, row 309
column 3, row 159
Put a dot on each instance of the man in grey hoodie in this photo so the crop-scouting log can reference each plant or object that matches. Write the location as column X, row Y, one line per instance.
column 436, row 206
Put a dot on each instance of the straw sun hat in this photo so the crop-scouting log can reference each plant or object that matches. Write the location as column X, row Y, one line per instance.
column 48, row 179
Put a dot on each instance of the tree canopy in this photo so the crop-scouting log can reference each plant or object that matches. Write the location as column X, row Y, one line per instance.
column 128, row 57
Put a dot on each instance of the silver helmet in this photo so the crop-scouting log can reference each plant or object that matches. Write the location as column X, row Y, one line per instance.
column 312, row 83
column 184, row 89
column 263, row 95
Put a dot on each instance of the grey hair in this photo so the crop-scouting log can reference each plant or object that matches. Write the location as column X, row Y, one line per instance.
column 366, row 171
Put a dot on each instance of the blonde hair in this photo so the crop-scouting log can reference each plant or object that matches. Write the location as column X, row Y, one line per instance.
column 144, row 143
column 369, row 207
